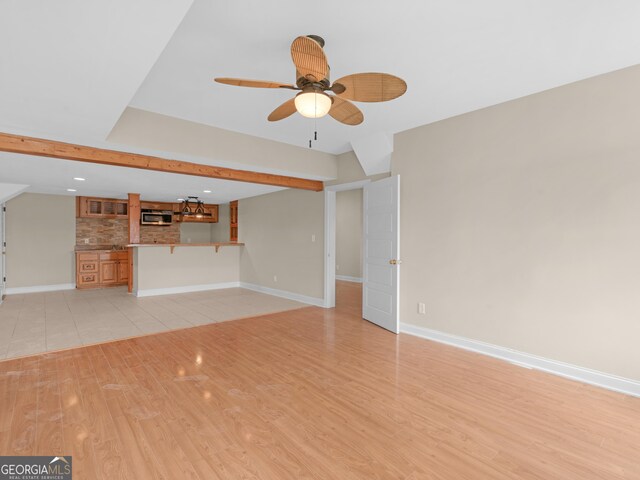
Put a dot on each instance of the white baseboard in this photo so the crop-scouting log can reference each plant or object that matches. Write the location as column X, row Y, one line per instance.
column 40, row 288
column 152, row 292
column 347, row 278
column 318, row 302
column 585, row 375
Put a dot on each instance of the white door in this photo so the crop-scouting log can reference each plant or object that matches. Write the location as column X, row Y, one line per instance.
column 381, row 233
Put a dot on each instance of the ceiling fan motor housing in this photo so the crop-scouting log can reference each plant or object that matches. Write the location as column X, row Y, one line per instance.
column 317, row 38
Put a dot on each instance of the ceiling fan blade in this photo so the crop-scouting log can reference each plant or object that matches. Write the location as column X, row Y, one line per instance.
column 371, row 87
column 345, row 112
column 283, row 111
column 309, row 59
column 241, row 82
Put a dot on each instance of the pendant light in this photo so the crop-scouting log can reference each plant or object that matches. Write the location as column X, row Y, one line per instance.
column 193, row 207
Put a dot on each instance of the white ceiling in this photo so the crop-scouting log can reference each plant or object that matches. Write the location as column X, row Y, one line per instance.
column 68, row 69
column 456, row 56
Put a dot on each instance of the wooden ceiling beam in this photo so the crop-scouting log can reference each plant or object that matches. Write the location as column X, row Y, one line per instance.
column 68, row 151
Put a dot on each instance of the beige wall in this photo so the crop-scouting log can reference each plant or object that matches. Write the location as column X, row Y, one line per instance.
column 220, row 230
column 144, row 129
column 277, row 229
column 195, row 232
column 349, row 233
column 520, row 224
column 207, row 232
column 158, row 268
column 41, row 236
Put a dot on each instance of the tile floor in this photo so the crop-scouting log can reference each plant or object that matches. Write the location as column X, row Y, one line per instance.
column 43, row 322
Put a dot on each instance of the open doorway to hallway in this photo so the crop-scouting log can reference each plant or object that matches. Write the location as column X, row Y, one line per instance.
column 349, row 235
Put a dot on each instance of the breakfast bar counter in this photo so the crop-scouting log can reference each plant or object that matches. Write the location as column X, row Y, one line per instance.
column 160, row 269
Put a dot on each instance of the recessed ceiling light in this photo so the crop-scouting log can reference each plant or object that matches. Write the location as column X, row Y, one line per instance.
column 71, row 190
column 79, row 179
column 207, row 191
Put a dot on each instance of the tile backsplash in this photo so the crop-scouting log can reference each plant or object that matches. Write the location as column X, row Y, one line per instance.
column 107, row 231
column 164, row 234
column 102, row 231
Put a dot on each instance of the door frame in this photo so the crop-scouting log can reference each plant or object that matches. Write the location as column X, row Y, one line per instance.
column 3, row 255
column 330, row 237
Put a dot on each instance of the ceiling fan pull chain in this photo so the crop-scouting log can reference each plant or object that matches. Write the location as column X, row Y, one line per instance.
column 315, row 129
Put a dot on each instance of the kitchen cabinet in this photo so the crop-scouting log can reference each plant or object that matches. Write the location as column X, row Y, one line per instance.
column 91, row 207
column 102, row 268
column 233, row 218
column 158, row 206
column 123, row 271
column 108, row 271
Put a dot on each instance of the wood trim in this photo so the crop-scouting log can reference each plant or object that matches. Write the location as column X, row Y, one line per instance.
column 134, row 232
column 68, row 151
column 134, row 218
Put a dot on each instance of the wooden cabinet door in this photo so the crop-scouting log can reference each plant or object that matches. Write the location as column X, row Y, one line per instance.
column 233, row 220
column 213, row 210
column 108, row 208
column 108, row 271
column 89, row 207
column 122, row 209
column 123, row 271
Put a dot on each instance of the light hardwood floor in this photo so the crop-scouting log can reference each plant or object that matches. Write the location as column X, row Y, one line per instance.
column 310, row 394
column 43, row 322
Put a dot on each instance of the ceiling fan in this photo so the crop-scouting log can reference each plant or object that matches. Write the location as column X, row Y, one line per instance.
column 312, row 81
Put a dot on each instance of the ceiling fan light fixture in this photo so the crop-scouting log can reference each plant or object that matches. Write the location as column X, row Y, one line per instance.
column 313, row 103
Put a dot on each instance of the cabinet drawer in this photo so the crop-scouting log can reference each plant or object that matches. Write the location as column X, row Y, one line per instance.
column 89, row 256
column 113, row 256
column 88, row 278
column 88, row 267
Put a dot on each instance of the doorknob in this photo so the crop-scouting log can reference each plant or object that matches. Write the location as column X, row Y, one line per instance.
column 395, row 262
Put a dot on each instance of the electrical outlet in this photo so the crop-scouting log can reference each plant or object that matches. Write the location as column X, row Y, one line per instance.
column 337, row 267
column 421, row 308
column 86, row 240
column 275, row 278
column 313, row 237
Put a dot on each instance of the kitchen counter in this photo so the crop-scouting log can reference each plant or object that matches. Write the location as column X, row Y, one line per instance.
column 102, row 248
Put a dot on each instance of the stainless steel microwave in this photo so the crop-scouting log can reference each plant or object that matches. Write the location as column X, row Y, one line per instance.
column 156, row 217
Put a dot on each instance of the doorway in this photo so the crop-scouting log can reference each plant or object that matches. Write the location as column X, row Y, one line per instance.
column 330, row 224
column 380, row 247
column 348, row 245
